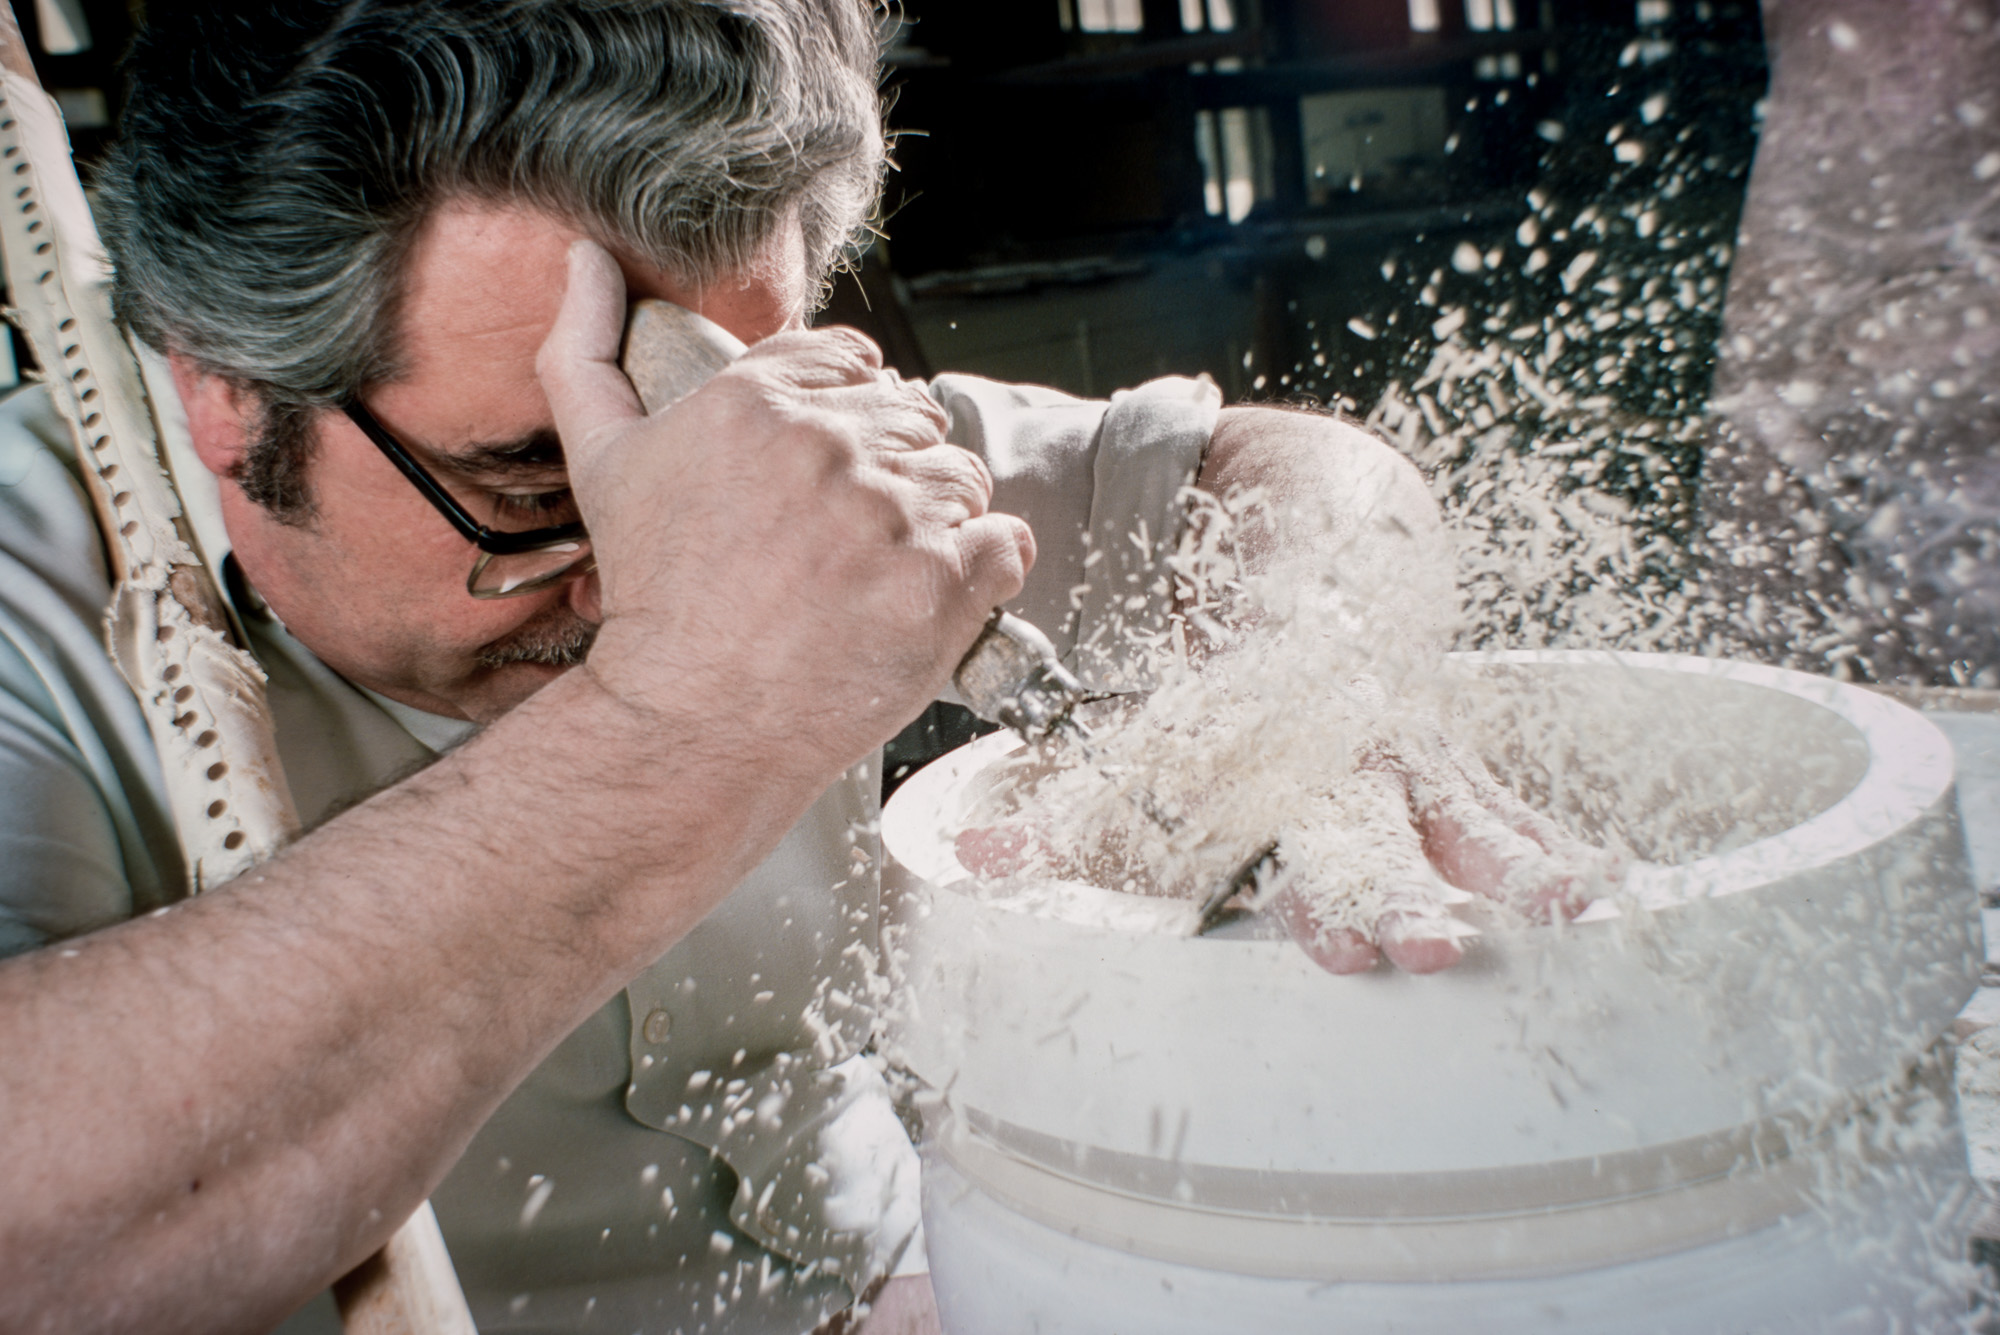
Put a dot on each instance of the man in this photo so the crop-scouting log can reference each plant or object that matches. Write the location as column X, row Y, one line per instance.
column 351, row 230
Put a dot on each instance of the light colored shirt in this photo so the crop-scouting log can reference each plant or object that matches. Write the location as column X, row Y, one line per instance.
column 713, row 1148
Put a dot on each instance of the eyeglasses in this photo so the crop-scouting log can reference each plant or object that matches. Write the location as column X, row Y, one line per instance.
column 511, row 562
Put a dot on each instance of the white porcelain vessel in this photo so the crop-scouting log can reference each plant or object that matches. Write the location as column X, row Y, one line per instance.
column 1707, row 1109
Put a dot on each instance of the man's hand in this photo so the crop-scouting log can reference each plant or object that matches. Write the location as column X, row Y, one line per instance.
column 1417, row 829
column 804, row 499
column 1374, row 869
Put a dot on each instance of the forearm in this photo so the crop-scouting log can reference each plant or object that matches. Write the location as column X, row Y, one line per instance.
column 213, row 1112
column 216, row 1110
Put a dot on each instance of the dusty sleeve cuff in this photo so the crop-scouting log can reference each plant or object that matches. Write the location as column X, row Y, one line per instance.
column 1100, row 484
column 1149, row 451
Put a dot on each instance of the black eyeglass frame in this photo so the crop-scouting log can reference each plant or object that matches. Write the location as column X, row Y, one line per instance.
column 494, row 542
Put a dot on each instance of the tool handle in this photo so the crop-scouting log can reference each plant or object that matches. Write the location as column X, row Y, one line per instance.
column 669, row 352
column 171, row 635
column 1012, row 676
column 407, row 1288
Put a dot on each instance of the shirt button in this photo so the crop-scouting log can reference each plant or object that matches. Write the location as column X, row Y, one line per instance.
column 658, row 1025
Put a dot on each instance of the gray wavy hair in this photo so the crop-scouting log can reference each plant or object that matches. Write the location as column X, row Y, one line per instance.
column 277, row 159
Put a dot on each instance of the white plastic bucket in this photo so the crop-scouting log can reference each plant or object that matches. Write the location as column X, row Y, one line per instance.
column 1674, row 1105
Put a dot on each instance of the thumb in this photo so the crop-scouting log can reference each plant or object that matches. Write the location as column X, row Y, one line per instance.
column 578, row 361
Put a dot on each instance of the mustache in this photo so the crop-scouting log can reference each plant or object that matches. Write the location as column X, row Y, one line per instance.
column 557, row 638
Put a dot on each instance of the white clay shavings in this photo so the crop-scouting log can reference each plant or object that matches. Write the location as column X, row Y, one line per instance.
column 1277, row 736
column 1282, row 737
column 1569, row 520
column 1565, row 514
column 1568, row 496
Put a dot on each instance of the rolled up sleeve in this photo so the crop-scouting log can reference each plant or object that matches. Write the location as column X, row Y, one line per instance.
column 1101, row 484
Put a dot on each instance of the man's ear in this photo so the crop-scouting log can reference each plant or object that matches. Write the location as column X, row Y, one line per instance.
column 222, row 414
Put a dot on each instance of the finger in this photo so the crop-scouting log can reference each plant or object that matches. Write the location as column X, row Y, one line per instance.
column 1591, row 871
column 828, row 358
column 1413, row 928
column 897, row 413
column 1504, row 803
column 1360, row 888
column 1418, row 942
column 1469, row 845
column 1339, row 950
column 995, row 551
column 578, row 361
column 1381, row 799
column 953, row 485
column 997, row 850
column 1476, row 850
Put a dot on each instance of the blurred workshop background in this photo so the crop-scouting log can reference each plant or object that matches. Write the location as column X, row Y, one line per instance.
column 1090, row 193
column 1093, row 192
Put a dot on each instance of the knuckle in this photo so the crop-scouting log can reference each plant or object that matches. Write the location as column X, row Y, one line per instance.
column 932, row 411
column 811, row 358
column 964, row 468
column 982, row 476
column 833, row 439
column 857, row 343
column 922, row 407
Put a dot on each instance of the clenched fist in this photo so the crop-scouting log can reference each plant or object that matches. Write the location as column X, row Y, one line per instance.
column 793, row 546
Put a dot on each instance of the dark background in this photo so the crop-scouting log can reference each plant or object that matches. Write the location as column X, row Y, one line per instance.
column 1090, row 193
column 1053, row 218
column 1062, row 212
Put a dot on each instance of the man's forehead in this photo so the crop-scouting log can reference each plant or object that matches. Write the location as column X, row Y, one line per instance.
column 492, row 275
column 482, row 276
column 480, row 292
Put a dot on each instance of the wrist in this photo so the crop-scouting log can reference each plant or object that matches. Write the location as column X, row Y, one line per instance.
column 616, row 823
column 769, row 731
